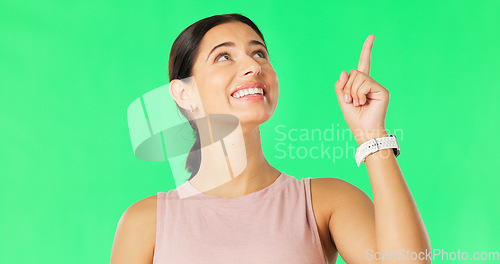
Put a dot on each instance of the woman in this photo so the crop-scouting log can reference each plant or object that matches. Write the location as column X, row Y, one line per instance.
column 225, row 54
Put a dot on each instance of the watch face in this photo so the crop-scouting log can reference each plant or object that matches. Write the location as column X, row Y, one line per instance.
column 396, row 150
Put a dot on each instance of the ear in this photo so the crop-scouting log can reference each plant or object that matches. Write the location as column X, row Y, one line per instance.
column 179, row 92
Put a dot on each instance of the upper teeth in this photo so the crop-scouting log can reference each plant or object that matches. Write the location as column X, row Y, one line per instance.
column 248, row 91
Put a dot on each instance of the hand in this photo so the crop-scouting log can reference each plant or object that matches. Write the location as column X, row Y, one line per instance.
column 363, row 101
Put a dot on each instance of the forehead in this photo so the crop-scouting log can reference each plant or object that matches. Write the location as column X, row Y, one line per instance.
column 236, row 32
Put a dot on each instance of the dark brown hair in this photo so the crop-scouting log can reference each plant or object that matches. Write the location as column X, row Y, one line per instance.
column 180, row 65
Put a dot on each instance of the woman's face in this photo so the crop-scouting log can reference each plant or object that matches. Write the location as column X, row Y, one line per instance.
column 232, row 55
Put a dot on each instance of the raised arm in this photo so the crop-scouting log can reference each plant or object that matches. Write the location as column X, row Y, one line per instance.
column 390, row 230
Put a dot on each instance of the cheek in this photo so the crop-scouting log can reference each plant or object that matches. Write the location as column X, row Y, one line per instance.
column 213, row 86
column 220, row 80
column 272, row 78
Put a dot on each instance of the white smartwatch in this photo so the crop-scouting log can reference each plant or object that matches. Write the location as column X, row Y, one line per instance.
column 375, row 144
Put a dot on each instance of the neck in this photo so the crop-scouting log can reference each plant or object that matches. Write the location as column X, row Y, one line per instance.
column 234, row 166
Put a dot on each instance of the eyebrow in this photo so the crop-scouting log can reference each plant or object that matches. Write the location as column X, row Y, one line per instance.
column 231, row 44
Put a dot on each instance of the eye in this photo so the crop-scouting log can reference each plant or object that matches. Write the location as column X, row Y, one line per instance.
column 227, row 56
column 224, row 54
column 262, row 53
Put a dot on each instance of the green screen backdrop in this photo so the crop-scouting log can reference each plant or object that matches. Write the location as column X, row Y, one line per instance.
column 70, row 69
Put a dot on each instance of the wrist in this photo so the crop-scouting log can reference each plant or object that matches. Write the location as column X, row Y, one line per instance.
column 377, row 145
column 381, row 154
column 363, row 136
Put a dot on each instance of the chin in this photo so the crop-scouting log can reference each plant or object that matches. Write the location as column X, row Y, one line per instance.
column 253, row 119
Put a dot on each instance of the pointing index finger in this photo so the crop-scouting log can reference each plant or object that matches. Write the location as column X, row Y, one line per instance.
column 364, row 59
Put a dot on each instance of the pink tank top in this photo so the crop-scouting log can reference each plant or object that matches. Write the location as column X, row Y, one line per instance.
column 275, row 225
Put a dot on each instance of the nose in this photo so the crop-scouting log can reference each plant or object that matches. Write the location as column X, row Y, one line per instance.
column 250, row 66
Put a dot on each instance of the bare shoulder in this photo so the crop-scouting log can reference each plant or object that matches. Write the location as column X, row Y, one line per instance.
column 332, row 193
column 136, row 233
column 333, row 187
column 140, row 215
column 143, row 210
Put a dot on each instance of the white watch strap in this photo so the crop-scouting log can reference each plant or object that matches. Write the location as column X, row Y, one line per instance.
column 374, row 145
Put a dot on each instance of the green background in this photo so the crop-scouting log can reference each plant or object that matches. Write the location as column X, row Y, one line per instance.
column 69, row 70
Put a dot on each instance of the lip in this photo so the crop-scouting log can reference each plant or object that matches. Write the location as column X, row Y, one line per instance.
column 249, row 85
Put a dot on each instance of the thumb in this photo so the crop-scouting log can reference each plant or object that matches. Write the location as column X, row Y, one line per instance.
column 339, row 86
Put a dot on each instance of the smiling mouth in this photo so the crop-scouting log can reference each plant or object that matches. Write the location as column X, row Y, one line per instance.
column 248, row 92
